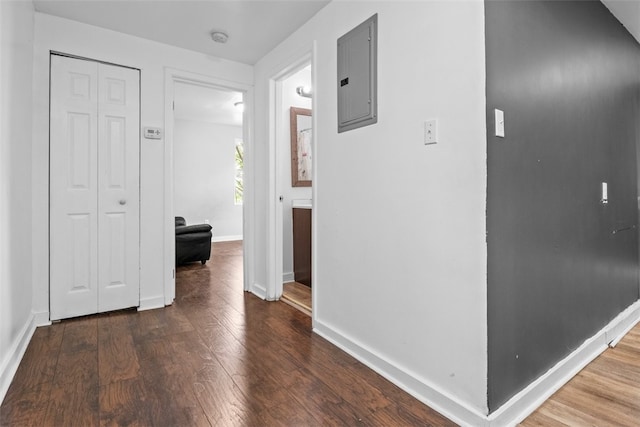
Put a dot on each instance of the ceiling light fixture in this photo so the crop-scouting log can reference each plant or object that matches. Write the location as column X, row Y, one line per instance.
column 219, row 37
column 239, row 106
column 304, row 91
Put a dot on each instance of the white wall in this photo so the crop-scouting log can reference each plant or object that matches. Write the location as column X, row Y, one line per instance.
column 16, row 68
column 290, row 99
column 57, row 34
column 400, row 251
column 204, row 176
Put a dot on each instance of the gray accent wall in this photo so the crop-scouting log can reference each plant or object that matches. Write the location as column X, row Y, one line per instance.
column 561, row 264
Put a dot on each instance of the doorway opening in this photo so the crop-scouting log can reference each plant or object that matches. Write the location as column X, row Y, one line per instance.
column 295, row 169
column 208, row 154
column 206, row 137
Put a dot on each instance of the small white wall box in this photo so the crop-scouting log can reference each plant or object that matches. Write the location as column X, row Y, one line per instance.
column 153, row 133
column 357, row 76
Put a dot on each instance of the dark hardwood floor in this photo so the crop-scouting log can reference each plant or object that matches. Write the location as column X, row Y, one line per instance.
column 217, row 357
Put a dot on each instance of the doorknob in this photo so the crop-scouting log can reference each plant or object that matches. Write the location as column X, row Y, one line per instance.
column 123, row 202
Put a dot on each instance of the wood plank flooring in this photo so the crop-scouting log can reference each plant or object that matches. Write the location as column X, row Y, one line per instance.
column 217, row 357
column 298, row 296
column 605, row 393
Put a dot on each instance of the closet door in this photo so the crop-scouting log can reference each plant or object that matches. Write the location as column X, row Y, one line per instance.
column 118, row 188
column 73, row 188
column 94, row 187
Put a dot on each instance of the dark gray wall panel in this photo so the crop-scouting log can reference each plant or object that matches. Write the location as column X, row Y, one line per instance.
column 561, row 265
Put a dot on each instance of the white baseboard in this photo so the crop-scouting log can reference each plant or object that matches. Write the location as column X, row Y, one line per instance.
column 259, row 291
column 41, row 318
column 421, row 389
column 226, row 238
column 529, row 399
column 623, row 323
column 515, row 409
column 13, row 357
column 151, row 303
column 288, row 277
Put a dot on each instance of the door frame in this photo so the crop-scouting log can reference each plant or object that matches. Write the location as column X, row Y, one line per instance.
column 171, row 77
column 275, row 249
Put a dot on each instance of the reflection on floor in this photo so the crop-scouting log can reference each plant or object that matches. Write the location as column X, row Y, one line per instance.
column 297, row 295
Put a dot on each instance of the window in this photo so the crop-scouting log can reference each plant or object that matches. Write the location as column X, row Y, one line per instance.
column 239, row 188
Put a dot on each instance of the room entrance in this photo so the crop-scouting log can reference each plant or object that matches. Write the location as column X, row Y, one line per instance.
column 206, row 138
column 295, row 158
column 208, row 157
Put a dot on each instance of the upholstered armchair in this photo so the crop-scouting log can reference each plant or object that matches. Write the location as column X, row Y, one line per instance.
column 193, row 242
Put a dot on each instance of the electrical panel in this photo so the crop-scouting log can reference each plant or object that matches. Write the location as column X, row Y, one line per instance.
column 357, row 76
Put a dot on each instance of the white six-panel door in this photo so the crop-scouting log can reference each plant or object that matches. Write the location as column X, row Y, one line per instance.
column 94, row 187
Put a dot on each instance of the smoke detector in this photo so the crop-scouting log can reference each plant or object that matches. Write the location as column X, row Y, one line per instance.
column 219, row 37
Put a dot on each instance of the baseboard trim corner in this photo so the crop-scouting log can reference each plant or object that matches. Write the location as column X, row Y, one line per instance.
column 458, row 412
column 41, row 318
column 259, row 291
column 288, row 277
column 14, row 356
column 151, row 303
column 519, row 406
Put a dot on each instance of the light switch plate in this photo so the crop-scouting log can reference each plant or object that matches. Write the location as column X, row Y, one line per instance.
column 431, row 132
column 499, row 123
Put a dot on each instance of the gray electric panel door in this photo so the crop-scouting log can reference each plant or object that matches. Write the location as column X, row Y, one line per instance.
column 357, row 81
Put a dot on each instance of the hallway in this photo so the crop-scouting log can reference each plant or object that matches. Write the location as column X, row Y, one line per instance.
column 218, row 356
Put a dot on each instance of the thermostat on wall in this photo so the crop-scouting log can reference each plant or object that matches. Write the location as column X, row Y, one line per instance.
column 153, row 133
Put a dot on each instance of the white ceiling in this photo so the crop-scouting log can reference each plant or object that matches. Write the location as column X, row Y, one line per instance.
column 206, row 105
column 254, row 27
column 627, row 12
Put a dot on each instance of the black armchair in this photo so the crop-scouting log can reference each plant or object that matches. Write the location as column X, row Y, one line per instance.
column 193, row 242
